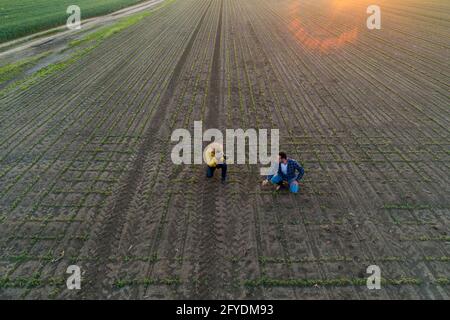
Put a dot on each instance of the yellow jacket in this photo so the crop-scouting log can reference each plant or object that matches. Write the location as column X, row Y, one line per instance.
column 211, row 159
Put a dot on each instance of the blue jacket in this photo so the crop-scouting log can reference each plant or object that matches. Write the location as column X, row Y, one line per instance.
column 292, row 166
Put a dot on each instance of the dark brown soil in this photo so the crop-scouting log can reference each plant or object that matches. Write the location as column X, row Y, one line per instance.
column 86, row 175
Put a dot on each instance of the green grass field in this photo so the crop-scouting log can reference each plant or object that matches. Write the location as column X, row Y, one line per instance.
column 23, row 17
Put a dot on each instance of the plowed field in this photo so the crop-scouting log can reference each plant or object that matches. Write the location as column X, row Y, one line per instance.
column 86, row 175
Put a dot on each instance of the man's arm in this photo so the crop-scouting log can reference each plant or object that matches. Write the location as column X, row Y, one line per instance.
column 300, row 170
column 211, row 161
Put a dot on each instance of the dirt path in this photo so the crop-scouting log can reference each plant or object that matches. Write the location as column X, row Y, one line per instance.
column 26, row 46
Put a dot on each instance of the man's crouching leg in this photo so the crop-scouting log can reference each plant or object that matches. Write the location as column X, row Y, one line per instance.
column 210, row 172
column 276, row 179
column 223, row 167
column 293, row 186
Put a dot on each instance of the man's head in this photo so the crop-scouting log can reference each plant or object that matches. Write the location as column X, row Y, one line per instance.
column 283, row 157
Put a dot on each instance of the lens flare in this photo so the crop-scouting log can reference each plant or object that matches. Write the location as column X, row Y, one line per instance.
column 315, row 40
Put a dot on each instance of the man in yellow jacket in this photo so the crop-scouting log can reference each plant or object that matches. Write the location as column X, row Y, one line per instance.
column 215, row 159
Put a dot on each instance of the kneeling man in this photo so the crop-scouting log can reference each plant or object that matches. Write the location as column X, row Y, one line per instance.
column 215, row 160
column 288, row 170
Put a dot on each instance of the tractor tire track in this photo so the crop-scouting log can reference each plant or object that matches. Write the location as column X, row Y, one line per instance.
column 116, row 219
column 211, row 224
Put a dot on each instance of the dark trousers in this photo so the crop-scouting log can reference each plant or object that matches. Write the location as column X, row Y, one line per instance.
column 223, row 167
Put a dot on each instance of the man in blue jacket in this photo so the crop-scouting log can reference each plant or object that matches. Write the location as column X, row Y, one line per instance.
column 288, row 170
